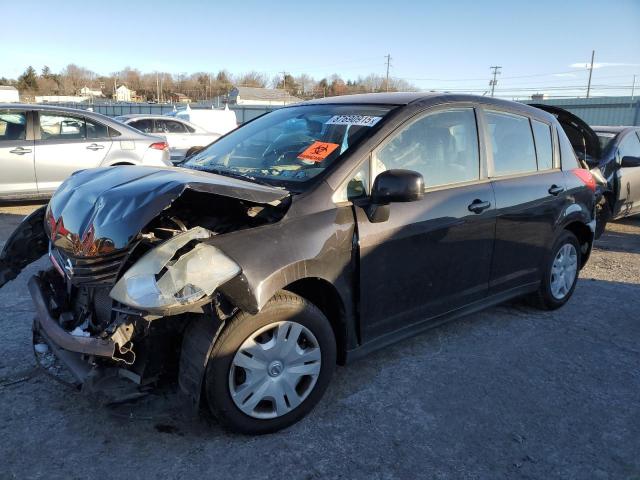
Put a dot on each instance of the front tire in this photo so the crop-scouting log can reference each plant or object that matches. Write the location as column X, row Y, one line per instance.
column 560, row 274
column 267, row 371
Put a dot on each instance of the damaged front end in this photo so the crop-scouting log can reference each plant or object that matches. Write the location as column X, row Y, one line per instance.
column 133, row 265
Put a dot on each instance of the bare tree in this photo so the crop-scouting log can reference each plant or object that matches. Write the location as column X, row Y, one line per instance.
column 252, row 79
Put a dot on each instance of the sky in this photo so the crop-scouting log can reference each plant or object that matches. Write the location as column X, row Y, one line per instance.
column 449, row 45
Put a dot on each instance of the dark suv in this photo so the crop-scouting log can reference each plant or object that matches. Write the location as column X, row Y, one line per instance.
column 307, row 237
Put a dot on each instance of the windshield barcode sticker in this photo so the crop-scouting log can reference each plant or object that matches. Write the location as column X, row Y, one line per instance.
column 359, row 120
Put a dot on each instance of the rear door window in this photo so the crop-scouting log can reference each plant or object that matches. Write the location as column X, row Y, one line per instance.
column 13, row 125
column 511, row 143
column 442, row 146
column 544, row 147
column 145, row 125
column 59, row 126
column 169, row 126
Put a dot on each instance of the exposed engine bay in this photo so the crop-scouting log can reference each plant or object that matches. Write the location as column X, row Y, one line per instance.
column 88, row 311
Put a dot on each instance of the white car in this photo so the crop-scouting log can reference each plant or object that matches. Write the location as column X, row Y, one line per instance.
column 41, row 145
column 220, row 121
column 183, row 137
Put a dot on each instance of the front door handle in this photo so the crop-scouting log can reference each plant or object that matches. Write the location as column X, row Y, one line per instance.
column 20, row 150
column 95, row 146
column 478, row 206
column 555, row 190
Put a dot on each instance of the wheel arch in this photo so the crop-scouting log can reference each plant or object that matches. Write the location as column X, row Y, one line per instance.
column 585, row 238
column 123, row 162
column 325, row 296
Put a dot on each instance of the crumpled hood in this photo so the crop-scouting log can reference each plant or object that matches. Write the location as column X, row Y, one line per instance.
column 97, row 211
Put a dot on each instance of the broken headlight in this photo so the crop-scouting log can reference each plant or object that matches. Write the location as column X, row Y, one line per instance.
column 168, row 276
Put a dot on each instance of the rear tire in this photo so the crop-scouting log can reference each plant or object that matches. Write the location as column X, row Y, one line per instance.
column 257, row 380
column 560, row 273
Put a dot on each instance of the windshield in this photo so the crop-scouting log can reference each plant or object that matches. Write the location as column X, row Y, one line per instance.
column 605, row 138
column 291, row 145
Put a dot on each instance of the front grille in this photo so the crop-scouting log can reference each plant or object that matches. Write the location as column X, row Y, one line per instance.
column 90, row 271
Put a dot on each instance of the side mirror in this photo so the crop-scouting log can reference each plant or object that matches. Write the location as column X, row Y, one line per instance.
column 630, row 162
column 393, row 186
column 397, row 186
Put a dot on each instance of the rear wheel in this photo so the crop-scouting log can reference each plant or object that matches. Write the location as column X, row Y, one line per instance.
column 267, row 371
column 560, row 274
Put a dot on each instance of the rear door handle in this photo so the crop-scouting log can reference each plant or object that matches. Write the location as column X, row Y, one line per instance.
column 478, row 206
column 95, row 146
column 555, row 190
column 20, row 150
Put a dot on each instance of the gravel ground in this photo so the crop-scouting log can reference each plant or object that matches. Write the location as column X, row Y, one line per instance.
column 511, row 392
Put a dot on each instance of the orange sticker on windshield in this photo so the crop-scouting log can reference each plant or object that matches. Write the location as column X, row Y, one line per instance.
column 318, row 151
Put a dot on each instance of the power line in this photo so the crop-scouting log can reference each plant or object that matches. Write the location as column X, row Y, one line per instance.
column 496, row 70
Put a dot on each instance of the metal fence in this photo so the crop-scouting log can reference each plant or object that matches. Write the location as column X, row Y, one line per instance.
column 600, row 110
column 244, row 113
column 594, row 111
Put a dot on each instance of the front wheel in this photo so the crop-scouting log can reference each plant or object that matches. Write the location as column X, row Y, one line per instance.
column 560, row 274
column 267, row 371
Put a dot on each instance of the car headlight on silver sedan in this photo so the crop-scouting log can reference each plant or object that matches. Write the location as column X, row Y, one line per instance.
column 164, row 277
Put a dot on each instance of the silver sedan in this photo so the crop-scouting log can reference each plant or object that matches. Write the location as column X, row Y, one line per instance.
column 183, row 137
column 40, row 146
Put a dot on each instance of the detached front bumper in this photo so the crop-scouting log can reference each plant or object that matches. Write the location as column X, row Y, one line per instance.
column 50, row 329
column 90, row 361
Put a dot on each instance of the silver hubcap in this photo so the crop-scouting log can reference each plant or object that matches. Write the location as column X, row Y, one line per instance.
column 563, row 271
column 274, row 370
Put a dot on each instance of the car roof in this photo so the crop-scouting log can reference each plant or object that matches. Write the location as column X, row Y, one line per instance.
column 408, row 98
column 149, row 115
column 77, row 111
column 612, row 129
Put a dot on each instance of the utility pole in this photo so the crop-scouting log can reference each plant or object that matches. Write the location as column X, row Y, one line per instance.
column 494, row 82
column 284, row 80
column 633, row 88
column 157, row 88
column 388, row 57
column 593, row 54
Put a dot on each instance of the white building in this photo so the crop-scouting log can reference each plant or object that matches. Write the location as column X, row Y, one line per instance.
column 90, row 92
column 123, row 94
column 261, row 96
column 60, row 98
column 8, row 94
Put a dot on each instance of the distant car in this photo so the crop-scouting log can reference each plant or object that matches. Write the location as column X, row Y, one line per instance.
column 40, row 146
column 620, row 165
column 183, row 137
column 214, row 120
column 613, row 156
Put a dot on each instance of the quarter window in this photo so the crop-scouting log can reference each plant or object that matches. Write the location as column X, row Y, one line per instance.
column 55, row 126
column 442, row 146
column 169, row 126
column 512, row 143
column 145, row 125
column 13, row 125
column 544, row 147
column 358, row 186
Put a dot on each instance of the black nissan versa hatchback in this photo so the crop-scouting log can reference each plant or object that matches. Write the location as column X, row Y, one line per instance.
column 305, row 238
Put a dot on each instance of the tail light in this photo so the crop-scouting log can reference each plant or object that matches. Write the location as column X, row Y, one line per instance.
column 159, row 146
column 586, row 177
